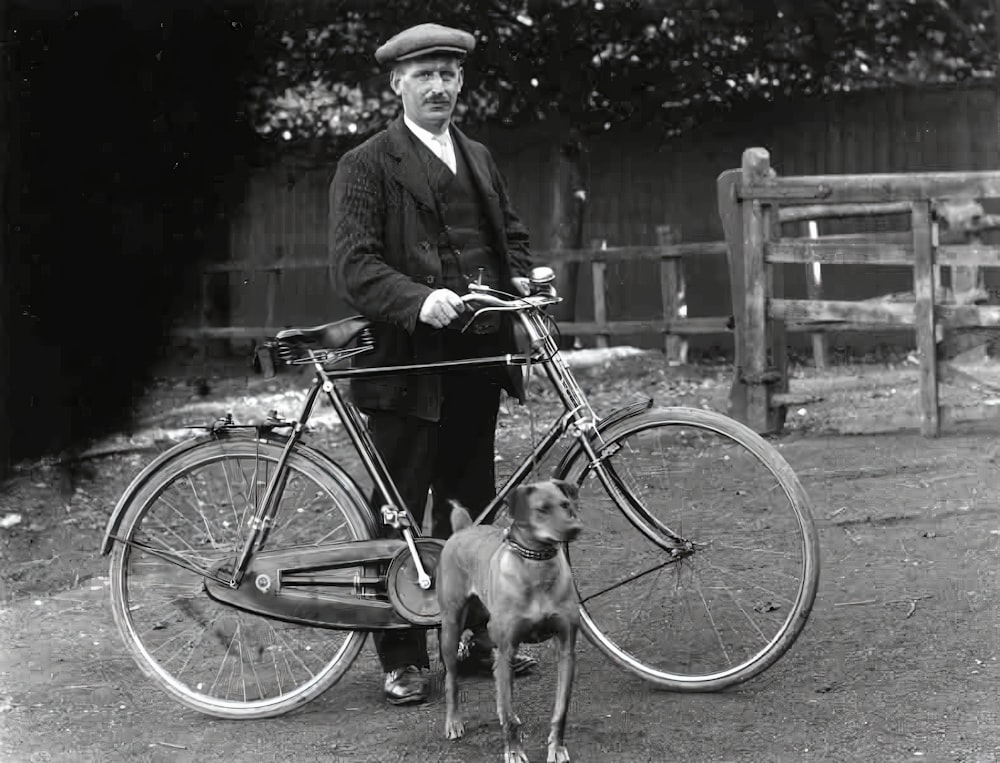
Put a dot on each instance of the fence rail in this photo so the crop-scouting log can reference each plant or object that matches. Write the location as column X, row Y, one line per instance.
column 754, row 202
column 673, row 325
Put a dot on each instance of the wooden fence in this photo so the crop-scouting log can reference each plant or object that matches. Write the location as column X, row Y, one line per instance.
column 673, row 324
column 754, row 202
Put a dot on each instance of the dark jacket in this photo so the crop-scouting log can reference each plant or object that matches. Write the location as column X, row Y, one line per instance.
column 384, row 229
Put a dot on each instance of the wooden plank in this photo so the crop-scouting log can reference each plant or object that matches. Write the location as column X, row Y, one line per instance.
column 777, row 341
column 671, row 286
column 832, row 328
column 820, row 211
column 225, row 332
column 888, row 237
column 804, row 314
column 273, row 281
column 839, row 252
column 981, row 255
column 599, row 271
column 611, row 254
column 968, row 316
column 807, row 311
column 755, row 233
column 239, row 266
column 789, row 399
column 732, row 225
column 626, row 253
column 923, row 289
column 679, row 326
column 875, row 187
column 814, row 290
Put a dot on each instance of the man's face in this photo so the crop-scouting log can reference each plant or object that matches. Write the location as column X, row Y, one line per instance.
column 429, row 88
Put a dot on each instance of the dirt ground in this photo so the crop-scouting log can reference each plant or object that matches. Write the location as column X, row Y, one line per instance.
column 897, row 663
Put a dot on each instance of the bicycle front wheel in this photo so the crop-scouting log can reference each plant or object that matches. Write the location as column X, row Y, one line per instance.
column 730, row 607
column 210, row 657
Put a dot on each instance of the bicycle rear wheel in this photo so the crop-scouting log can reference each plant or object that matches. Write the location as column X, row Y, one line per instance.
column 730, row 608
column 210, row 657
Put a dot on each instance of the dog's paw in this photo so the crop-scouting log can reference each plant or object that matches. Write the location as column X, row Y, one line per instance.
column 515, row 756
column 454, row 728
column 557, row 754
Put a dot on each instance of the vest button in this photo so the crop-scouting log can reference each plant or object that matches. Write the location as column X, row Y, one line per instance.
column 429, row 279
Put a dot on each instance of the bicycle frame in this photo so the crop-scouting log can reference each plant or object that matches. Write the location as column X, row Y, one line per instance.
column 545, row 352
column 277, row 572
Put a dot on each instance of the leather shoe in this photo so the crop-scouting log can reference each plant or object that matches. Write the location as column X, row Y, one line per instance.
column 406, row 686
column 482, row 665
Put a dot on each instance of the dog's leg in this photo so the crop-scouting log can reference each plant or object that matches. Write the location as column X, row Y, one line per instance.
column 564, row 687
column 509, row 722
column 451, row 627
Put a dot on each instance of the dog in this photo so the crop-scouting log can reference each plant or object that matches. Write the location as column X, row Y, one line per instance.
column 523, row 579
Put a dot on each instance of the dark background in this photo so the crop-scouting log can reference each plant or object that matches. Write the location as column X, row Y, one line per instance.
column 124, row 146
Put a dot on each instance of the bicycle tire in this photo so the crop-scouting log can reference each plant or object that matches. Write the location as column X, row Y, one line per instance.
column 212, row 658
column 730, row 553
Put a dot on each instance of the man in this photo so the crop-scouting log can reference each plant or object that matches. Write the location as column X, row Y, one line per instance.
column 416, row 213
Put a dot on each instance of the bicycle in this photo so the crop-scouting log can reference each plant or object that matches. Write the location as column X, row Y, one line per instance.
column 247, row 566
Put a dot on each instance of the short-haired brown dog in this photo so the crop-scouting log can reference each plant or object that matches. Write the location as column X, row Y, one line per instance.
column 526, row 586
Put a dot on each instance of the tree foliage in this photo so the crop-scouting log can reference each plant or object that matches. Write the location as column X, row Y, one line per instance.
column 597, row 63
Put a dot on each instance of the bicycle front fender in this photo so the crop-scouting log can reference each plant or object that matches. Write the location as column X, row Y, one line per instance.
column 615, row 417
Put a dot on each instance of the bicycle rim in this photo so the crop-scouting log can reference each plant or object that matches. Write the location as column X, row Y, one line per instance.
column 211, row 657
column 730, row 609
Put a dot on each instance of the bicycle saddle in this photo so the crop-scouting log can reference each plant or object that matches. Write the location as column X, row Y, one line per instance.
column 329, row 336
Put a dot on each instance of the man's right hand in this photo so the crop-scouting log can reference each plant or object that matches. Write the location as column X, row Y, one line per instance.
column 441, row 307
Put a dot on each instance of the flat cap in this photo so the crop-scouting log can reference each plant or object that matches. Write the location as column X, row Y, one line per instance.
column 422, row 40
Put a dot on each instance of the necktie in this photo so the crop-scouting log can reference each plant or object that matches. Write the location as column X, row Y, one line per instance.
column 443, row 152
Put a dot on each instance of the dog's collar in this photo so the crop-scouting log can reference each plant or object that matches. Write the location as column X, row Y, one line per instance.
column 529, row 553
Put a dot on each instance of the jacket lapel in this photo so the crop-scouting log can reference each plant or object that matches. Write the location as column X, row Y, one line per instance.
column 407, row 168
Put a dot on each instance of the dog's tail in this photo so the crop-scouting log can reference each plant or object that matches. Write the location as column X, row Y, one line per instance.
column 460, row 517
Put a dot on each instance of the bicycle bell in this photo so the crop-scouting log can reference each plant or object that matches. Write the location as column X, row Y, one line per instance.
column 541, row 278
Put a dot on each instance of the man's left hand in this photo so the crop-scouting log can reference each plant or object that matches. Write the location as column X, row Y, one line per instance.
column 522, row 285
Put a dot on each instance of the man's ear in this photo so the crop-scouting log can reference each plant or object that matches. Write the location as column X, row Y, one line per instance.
column 518, row 502
column 568, row 489
column 394, row 80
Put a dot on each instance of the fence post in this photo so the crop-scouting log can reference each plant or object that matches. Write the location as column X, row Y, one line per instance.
column 671, row 294
column 814, row 290
column 923, row 291
column 273, row 279
column 599, row 272
column 764, row 362
column 727, row 186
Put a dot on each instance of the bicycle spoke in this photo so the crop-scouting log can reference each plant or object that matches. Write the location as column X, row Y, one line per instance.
column 223, row 661
column 730, row 607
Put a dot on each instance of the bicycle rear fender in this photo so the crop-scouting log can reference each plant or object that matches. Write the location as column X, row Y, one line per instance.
column 153, row 467
column 615, row 417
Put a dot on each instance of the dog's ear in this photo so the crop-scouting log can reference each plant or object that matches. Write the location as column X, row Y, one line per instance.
column 568, row 489
column 518, row 502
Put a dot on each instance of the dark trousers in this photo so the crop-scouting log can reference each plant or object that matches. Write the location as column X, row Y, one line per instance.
column 454, row 458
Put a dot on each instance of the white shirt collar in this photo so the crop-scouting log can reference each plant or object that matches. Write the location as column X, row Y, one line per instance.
column 426, row 136
column 441, row 145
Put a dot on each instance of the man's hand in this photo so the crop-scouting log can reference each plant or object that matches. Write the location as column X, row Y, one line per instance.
column 441, row 307
column 522, row 285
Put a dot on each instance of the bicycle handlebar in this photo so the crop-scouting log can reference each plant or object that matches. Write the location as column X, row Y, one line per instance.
column 480, row 300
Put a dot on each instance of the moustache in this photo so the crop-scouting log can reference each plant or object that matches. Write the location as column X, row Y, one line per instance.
column 444, row 101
